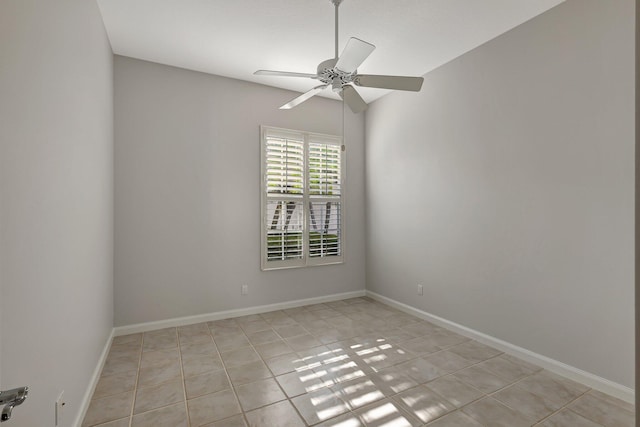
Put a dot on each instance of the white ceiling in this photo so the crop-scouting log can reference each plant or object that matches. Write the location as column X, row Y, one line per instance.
column 234, row 38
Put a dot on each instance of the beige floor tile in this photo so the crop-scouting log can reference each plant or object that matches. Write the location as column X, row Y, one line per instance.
column 420, row 328
column 194, row 337
column 128, row 339
column 159, row 373
column 554, row 387
column 121, row 364
column 443, row 338
column 530, row 405
column 258, row 394
column 200, row 365
column 455, row 419
column 196, row 328
column 567, row 418
column 509, row 368
column 481, row 378
column 315, row 354
column 224, row 329
column 602, row 412
column 336, row 322
column 420, row 346
column 391, row 381
column 248, row 373
column 239, row 357
column 289, row 331
column 235, row 421
column 108, row 408
column 263, row 337
column 320, row 405
column 358, row 393
column 115, row 384
column 490, row 412
column 398, row 335
column 273, row 349
column 297, row 383
column 231, row 342
column 150, row 358
column 448, row 362
column 386, row 413
column 350, row 419
column 326, row 313
column 280, row 414
column 125, row 351
column 210, row 382
column 165, row 394
column 455, row 391
column 197, row 349
column 123, row 422
column 213, row 407
column 474, row 351
column 152, row 342
column 281, row 321
column 256, row 326
column 302, row 342
column 336, row 373
column 423, row 404
column 420, row 370
column 330, row 335
column 285, row 363
column 243, row 320
column 169, row 416
column 613, row 400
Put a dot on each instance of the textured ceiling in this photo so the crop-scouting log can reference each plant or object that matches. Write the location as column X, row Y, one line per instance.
column 233, row 38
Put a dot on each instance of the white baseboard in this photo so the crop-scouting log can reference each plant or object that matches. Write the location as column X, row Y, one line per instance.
column 208, row 317
column 598, row 383
column 86, row 400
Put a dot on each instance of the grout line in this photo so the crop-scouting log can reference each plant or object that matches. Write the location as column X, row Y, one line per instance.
column 184, row 385
column 224, row 367
column 566, row 406
column 135, row 384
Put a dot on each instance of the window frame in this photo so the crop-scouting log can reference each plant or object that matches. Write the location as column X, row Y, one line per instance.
column 306, row 260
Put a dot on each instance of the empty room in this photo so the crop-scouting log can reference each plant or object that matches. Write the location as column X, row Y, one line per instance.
column 343, row 213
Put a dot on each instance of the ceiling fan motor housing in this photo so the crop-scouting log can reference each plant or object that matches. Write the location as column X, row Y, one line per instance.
column 330, row 75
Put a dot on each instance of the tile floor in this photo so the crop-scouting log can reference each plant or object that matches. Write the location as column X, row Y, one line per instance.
column 347, row 363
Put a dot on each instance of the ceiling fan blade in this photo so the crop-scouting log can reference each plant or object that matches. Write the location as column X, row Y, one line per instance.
column 353, row 99
column 300, row 99
column 283, row 74
column 389, row 82
column 354, row 54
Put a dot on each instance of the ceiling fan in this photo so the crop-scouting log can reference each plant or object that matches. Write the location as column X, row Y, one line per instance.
column 341, row 74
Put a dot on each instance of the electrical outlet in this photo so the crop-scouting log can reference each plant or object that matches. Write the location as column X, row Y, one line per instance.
column 420, row 290
column 244, row 290
column 59, row 408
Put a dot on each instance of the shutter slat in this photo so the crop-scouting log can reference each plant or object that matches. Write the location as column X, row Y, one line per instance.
column 325, row 229
column 324, row 169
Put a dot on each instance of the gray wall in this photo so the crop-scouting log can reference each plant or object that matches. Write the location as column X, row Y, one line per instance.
column 56, row 201
column 506, row 188
column 187, row 194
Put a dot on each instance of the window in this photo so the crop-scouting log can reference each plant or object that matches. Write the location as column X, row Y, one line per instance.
column 302, row 199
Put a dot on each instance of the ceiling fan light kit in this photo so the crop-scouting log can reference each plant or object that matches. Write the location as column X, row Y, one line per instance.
column 341, row 73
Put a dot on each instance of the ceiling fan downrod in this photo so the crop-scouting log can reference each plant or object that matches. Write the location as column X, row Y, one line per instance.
column 336, row 3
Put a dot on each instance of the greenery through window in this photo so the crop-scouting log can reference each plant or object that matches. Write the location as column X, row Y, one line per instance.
column 301, row 199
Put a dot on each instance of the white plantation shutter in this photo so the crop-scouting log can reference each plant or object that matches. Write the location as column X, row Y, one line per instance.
column 285, row 229
column 324, row 169
column 325, row 233
column 302, row 200
column 285, row 165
